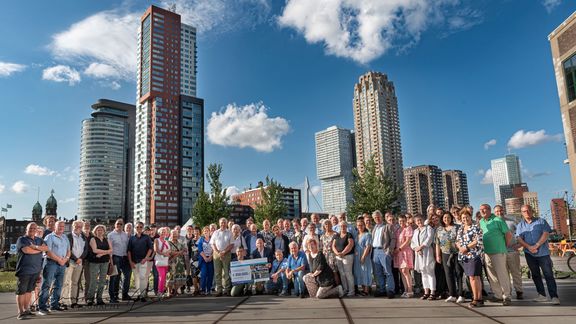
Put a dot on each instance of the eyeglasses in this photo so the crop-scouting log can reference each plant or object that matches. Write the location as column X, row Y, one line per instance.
column 139, row 226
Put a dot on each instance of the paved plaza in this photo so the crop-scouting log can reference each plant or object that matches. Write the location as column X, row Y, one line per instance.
column 276, row 310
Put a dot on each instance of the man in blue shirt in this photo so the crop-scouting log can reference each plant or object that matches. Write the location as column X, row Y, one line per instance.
column 532, row 233
column 58, row 255
column 297, row 265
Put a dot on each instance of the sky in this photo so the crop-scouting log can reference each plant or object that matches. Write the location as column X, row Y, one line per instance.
column 474, row 81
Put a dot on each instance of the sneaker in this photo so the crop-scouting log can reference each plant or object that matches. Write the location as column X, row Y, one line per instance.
column 340, row 291
column 43, row 312
column 21, row 316
column 29, row 313
column 403, row 295
column 540, row 299
column 460, row 300
column 506, row 302
column 519, row 295
column 555, row 301
column 450, row 299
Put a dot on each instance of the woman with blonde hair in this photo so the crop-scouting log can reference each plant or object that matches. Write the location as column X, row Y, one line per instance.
column 161, row 260
column 99, row 255
column 176, row 277
column 424, row 262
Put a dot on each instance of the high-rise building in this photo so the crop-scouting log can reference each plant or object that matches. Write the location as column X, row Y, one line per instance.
column 335, row 159
column 513, row 207
column 423, row 185
column 291, row 197
column 531, row 198
column 377, row 126
column 169, row 168
column 559, row 209
column 513, row 191
column 505, row 171
column 563, row 43
column 455, row 188
column 107, row 162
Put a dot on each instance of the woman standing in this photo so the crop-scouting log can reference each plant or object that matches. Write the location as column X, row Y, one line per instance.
column 194, row 269
column 99, row 252
column 320, row 281
column 310, row 235
column 161, row 260
column 343, row 247
column 205, row 262
column 177, row 264
column 404, row 256
column 469, row 244
column 326, row 248
column 424, row 263
column 362, row 257
column 447, row 255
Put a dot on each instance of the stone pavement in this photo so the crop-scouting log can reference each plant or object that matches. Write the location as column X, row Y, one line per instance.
column 276, row 310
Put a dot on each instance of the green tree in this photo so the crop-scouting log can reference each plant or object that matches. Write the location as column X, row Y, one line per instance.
column 373, row 191
column 209, row 208
column 272, row 206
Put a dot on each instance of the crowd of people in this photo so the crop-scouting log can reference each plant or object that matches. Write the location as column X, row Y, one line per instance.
column 442, row 255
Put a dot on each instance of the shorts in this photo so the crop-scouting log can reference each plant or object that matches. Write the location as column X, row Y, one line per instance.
column 26, row 283
column 473, row 267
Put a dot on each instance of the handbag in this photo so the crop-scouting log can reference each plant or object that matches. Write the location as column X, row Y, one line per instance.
column 112, row 270
column 161, row 260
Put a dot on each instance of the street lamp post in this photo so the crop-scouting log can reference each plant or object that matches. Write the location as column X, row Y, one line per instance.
column 568, row 221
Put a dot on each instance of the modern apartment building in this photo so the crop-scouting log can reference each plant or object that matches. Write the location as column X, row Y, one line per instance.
column 505, row 171
column 335, row 159
column 563, row 44
column 423, row 185
column 531, row 198
column 377, row 126
column 107, row 162
column 291, row 197
column 455, row 188
column 559, row 210
column 169, row 167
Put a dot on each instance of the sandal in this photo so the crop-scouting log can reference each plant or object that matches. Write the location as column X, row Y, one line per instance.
column 425, row 296
column 432, row 297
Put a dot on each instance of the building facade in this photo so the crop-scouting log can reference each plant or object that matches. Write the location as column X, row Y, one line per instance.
column 107, row 162
column 335, row 159
column 455, row 188
column 291, row 197
column 563, row 44
column 423, row 185
column 559, row 210
column 169, row 163
column 377, row 126
column 505, row 171
column 531, row 198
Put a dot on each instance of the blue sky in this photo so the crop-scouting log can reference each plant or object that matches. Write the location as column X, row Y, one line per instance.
column 466, row 73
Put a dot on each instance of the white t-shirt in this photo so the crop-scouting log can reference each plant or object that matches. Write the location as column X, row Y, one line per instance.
column 221, row 239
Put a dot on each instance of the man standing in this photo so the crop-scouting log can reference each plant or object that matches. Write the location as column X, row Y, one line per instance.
column 513, row 255
column 28, row 267
column 532, row 233
column 140, row 248
column 252, row 237
column 73, row 274
column 118, row 240
column 383, row 243
column 58, row 255
column 85, row 263
column 315, row 218
column 496, row 237
column 221, row 242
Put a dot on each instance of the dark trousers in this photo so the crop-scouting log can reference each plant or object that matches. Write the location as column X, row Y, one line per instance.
column 453, row 274
column 441, row 287
column 544, row 263
column 397, row 281
column 124, row 270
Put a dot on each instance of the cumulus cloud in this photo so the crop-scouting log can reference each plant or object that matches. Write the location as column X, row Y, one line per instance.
column 363, row 30
column 487, row 178
column 315, row 190
column 491, row 142
column 232, row 190
column 2, row 188
column 522, row 139
column 19, row 187
column 61, row 73
column 7, row 69
column 247, row 126
column 35, row 169
column 550, row 5
column 67, row 200
column 107, row 41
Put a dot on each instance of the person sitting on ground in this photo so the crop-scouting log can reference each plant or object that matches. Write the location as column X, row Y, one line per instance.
column 320, row 280
column 278, row 284
column 242, row 289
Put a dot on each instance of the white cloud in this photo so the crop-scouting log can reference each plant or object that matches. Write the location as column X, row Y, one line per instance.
column 101, row 70
column 2, row 188
column 67, row 200
column 19, row 187
column 550, row 5
column 487, row 179
column 61, row 73
column 491, row 142
column 522, row 139
column 315, row 190
column 232, row 190
column 106, row 40
column 247, row 126
column 220, row 15
column 363, row 30
column 7, row 69
column 35, row 169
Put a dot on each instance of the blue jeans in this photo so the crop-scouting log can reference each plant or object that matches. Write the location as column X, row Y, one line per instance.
column 280, row 285
column 544, row 263
column 53, row 273
column 206, row 276
column 299, row 285
column 383, row 271
column 125, row 271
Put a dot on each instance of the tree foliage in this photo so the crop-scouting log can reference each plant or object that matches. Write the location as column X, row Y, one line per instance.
column 272, row 206
column 374, row 190
column 209, row 208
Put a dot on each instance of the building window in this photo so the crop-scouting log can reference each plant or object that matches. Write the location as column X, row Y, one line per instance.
column 570, row 76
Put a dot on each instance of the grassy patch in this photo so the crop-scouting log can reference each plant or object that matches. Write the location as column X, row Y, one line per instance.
column 7, row 281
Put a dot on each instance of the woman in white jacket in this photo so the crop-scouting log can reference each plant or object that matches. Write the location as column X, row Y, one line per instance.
column 424, row 262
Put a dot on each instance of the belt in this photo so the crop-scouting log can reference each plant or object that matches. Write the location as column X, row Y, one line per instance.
column 378, row 248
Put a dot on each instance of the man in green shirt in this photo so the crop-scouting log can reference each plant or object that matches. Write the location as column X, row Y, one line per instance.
column 496, row 237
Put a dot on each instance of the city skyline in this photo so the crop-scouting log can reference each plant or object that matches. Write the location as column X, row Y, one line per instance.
column 460, row 105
